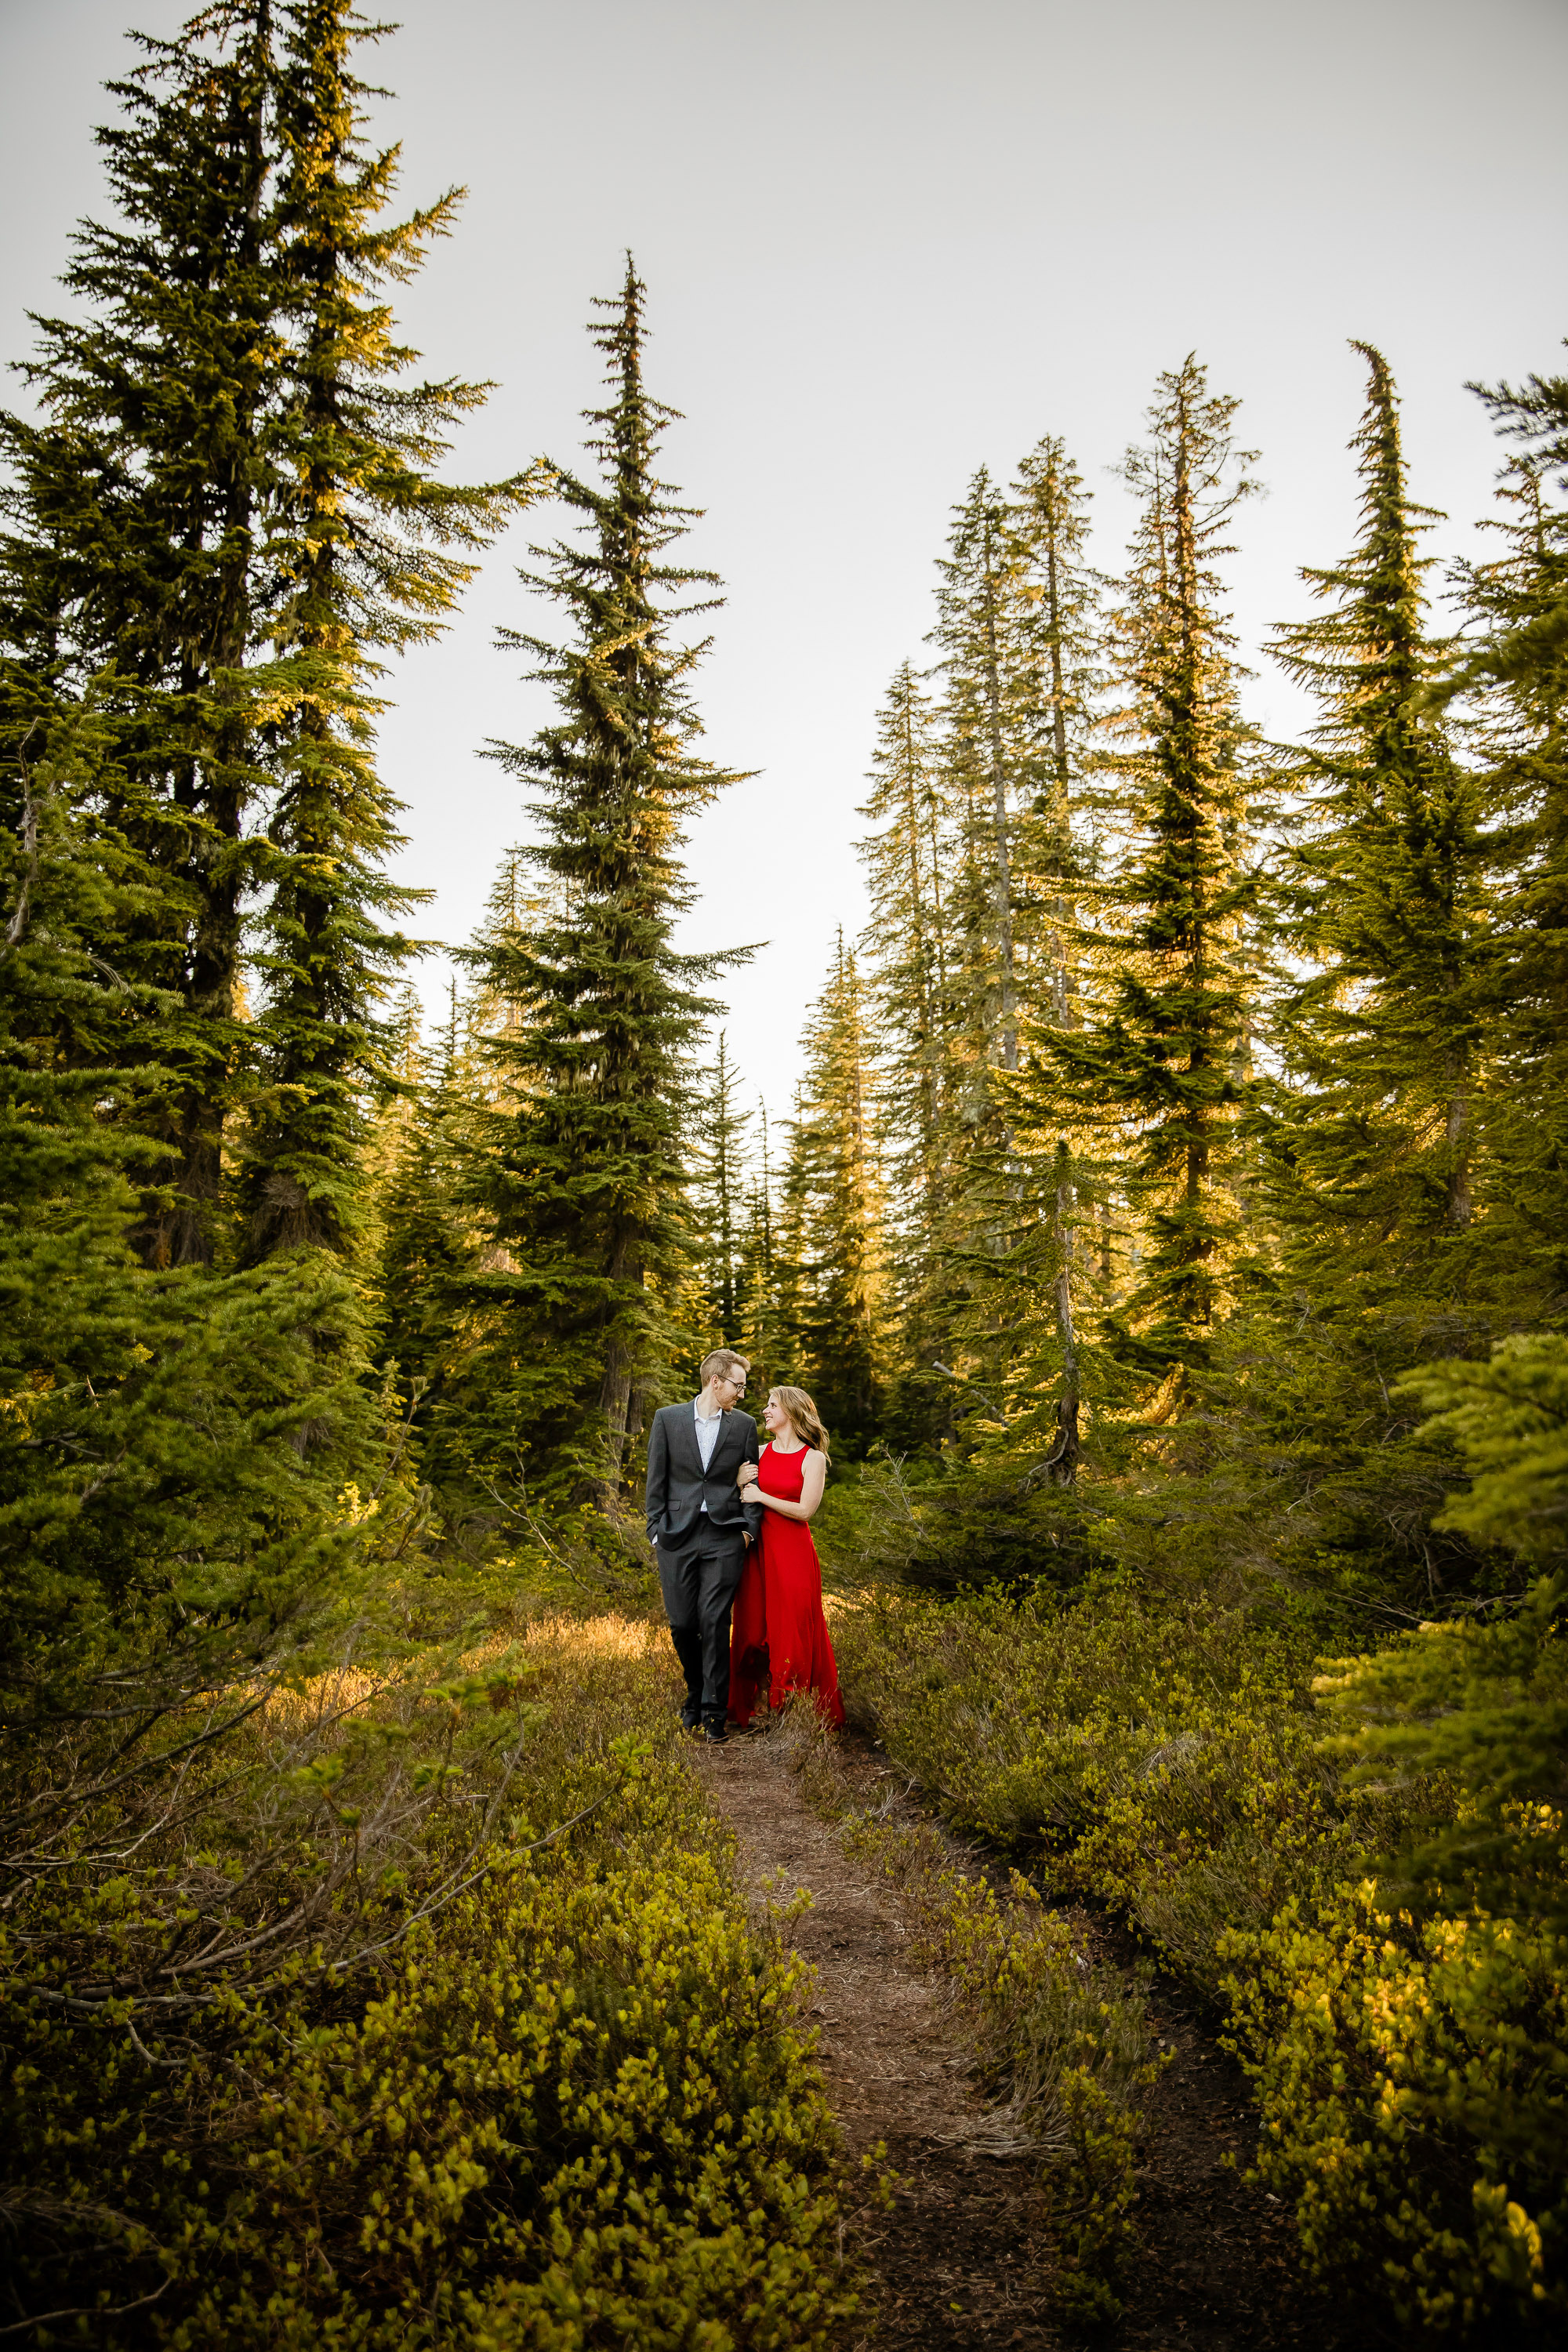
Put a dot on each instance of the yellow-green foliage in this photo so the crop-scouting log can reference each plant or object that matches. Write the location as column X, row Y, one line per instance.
column 1170, row 1761
column 569, row 2110
column 1090, row 2197
column 1411, row 2077
column 1509, row 1417
column 1482, row 1707
column 1166, row 1763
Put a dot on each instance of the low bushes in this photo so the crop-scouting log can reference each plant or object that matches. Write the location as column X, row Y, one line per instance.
column 1411, row 2078
column 567, row 2108
column 1168, row 1758
column 1167, row 1764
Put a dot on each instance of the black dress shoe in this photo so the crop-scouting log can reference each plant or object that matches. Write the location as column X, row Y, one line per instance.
column 714, row 1728
column 691, row 1715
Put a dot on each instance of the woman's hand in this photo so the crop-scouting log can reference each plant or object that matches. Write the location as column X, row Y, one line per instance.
column 746, row 1476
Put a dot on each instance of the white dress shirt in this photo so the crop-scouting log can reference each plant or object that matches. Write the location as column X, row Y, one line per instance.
column 707, row 1428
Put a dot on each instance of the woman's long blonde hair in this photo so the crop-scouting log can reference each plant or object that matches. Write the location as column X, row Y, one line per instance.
column 803, row 1414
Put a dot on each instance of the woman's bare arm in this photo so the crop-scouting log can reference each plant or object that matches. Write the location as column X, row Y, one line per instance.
column 814, row 1477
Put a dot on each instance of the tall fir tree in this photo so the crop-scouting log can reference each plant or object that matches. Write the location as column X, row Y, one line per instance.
column 1518, row 675
column 838, row 1183
column 981, row 608
column 1064, row 645
column 361, row 544
column 719, row 1198
column 587, row 1178
column 1374, row 1158
column 429, row 1239
column 1063, row 653
column 988, row 742
column 1164, row 1063
column 136, row 503
column 770, row 1285
column 906, row 952
column 225, row 510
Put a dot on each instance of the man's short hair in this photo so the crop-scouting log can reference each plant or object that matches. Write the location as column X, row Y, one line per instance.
column 722, row 1364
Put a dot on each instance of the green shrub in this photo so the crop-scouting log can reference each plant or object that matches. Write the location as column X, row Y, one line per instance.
column 1412, row 2080
column 1161, row 1756
column 1412, row 2066
column 1481, row 1705
column 568, row 2108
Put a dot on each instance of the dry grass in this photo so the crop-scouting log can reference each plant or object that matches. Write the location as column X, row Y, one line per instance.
column 561, row 1635
column 318, row 1704
column 611, row 1636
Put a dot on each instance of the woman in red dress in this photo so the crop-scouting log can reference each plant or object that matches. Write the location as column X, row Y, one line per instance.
column 778, row 1640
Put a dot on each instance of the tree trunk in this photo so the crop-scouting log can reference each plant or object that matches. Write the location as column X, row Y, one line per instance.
column 1003, row 879
column 1459, row 1209
column 1064, row 1457
column 1063, row 909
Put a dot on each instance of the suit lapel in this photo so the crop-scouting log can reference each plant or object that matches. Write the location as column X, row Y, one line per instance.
column 686, row 1425
column 728, row 1440
column 728, row 1437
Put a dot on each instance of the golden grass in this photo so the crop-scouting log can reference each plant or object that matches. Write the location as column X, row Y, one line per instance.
column 611, row 1636
column 342, row 1688
column 322, row 1697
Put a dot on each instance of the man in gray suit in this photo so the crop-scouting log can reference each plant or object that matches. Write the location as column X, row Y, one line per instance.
column 702, row 1526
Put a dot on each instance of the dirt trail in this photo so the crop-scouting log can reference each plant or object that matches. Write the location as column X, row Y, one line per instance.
column 961, row 2257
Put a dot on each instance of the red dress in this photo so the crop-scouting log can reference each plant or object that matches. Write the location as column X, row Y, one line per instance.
column 778, row 1636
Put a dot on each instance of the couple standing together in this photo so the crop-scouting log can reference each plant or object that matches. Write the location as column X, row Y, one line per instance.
column 729, row 1525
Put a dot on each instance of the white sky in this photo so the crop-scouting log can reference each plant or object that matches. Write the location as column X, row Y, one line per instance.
column 884, row 243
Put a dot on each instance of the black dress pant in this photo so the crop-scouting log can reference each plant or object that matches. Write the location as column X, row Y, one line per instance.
column 700, row 1582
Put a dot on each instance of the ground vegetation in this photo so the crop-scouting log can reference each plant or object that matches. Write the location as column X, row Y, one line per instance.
column 1170, row 1222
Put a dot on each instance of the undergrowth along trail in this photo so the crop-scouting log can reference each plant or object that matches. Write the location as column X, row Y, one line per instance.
column 570, row 2111
column 1158, row 1761
column 1068, row 2138
column 958, row 2255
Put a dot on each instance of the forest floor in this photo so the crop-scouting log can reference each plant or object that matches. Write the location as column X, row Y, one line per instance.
column 962, row 2259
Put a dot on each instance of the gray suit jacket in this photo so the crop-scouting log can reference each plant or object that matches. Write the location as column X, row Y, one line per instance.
column 677, row 1485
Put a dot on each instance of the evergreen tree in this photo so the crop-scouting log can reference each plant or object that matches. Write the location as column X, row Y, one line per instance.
column 719, row 1192
column 906, row 951
column 1165, row 1063
column 132, row 572
column 428, row 1242
column 1369, row 1170
column 171, row 1452
column 843, row 1326
column 586, row 1181
column 1518, row 676
column 970, row 809
column 224, row 513
column 973, row 869
column 360, row 544
column 1063, row 650
column 793, row 1242
column 769, row 1284
column 1064, row 645
column 980, row 605
column 1372, row 1159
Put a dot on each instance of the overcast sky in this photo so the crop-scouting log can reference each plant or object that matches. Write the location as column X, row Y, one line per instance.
column 885, row 244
